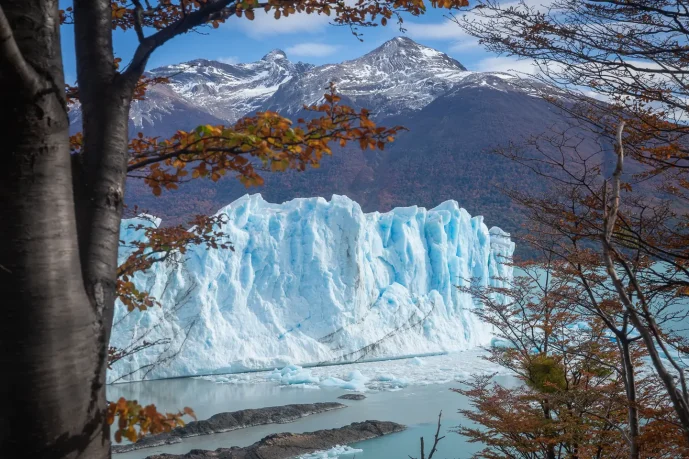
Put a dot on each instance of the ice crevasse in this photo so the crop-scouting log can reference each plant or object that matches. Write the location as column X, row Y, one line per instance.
column 312, row 281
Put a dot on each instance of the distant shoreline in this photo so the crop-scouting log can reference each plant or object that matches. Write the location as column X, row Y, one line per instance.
column 288, row 445
column 226, row 422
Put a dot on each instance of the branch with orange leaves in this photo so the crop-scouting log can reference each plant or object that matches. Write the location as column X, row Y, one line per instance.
column 267, row 139
column 147, row 418
column 150, row 245
column 161, row 244
column 185, row 14
column 171, row 18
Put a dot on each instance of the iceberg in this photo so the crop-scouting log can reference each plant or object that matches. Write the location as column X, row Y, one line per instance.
column 312, row 282
column 374, row 375
column 294, row 374
column 334, row 453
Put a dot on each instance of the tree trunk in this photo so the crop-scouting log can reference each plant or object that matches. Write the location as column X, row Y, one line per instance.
column 676, row 398
column 550, row 449
column 54, row 396
column 98, row 195
column 60, row 229
column 632, row 409
column 100, row 170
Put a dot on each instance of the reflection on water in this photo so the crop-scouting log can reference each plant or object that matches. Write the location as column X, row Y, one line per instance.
column 414, row 406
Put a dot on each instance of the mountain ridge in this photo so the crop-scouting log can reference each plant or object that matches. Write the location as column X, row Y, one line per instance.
column 398, row 76
column 455, row 117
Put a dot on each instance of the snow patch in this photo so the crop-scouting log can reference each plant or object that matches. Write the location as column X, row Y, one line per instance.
column 335, row 453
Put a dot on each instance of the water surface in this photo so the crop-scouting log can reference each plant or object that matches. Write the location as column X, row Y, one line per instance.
column 416, row 406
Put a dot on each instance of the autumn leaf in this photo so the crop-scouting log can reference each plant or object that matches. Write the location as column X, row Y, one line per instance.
column 275, row 141
column 135, row 421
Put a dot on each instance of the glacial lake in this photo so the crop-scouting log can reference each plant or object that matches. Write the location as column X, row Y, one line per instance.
column 416, row 405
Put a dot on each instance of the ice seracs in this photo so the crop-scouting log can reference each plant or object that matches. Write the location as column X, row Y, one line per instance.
column 313, row 281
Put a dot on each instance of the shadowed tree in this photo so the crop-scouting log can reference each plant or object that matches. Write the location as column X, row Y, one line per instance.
column 554, row 328
column 628, row 202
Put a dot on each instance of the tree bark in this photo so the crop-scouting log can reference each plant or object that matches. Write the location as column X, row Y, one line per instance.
column 632, row 409
column 100, row 171
column 50, row 334
column 677, row 397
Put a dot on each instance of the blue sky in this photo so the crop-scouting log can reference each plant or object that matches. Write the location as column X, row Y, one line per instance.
column 308, row 38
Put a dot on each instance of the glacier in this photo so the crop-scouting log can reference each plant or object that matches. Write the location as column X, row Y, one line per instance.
column 311, row 282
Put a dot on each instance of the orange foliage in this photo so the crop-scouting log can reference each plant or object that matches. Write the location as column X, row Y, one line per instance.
column 135, row 421
column 553, row 324
column 212, row 151
column 157, row 15
column 161, row 244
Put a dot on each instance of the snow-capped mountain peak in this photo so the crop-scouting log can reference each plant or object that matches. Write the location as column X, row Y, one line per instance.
column 274, row 55
column 398, row 77
column 225, row 91
column 403, row 52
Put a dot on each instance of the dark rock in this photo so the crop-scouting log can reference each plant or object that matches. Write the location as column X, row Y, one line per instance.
column 225, row 422
column 352, row 397
column 289, row 445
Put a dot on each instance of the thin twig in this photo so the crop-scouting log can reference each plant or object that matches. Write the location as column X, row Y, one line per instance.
column 436, row 440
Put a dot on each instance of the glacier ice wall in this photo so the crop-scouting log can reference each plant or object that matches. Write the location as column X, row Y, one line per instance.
column 313, row 281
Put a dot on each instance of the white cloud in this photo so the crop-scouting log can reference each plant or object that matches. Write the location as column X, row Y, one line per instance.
column 506, row 64
column 228, row 59
column 265, row 24
column 450, row 30
column 311, row 50
column 446, row 30
column 469, row 44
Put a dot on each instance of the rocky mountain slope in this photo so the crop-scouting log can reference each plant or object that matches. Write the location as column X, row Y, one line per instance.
column 226, row 91
column 455, row 117
column 398, row 77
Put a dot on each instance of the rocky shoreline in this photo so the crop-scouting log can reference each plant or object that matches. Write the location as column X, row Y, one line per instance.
column 225, row 422
column 289, row 445
column 352, row 397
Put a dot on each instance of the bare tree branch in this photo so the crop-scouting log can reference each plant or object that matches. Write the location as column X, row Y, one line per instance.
column 185, row 24
column 436, row 440
column 138, row 20
column 679, row 399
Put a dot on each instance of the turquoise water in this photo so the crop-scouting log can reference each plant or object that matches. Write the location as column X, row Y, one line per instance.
column 415, row 406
